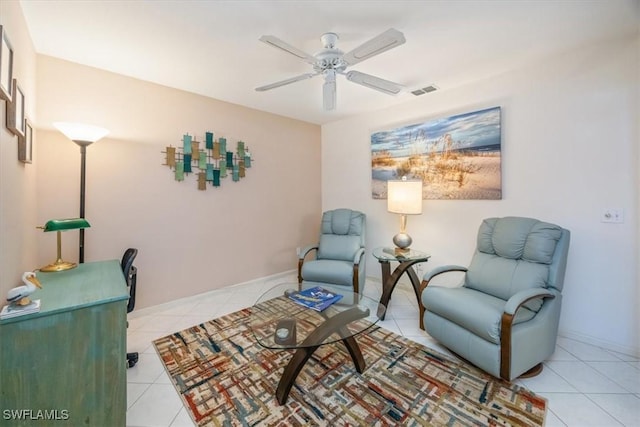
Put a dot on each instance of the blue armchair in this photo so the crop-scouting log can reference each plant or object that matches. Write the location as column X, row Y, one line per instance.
column 339, row 255
column 504, row 318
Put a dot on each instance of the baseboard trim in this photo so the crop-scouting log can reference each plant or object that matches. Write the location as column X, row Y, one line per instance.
column 587, row 339
column 598, row 342
column 167, row 305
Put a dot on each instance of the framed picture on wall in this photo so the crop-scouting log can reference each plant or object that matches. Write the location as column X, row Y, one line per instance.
column 15, row 111
column 457, row 157
column 25, row 144
column 6, row 66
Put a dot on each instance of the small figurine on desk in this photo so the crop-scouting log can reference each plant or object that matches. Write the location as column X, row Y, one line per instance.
column 20, row 295
column 18, row 298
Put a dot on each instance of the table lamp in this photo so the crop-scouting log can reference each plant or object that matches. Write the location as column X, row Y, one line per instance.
column 405, row 198
column 60, row 225
column 83, row 135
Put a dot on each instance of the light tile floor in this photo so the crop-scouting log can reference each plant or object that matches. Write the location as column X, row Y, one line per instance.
column 585, row 385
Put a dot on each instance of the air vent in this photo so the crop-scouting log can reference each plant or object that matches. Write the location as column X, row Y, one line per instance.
column 430, row 88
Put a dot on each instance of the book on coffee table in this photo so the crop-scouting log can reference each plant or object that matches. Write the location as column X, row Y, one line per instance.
column 316, row 298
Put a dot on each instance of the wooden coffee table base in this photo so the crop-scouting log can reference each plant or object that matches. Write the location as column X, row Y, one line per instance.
column 336, row 324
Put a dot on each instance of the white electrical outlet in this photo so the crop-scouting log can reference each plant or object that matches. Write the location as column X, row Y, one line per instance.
column 612, row 215
column 298, row 251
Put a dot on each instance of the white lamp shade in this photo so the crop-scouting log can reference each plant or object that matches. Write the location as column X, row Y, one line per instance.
column 81, row 132
column 404, row 197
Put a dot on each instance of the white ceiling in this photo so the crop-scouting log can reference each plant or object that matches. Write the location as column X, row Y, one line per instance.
column 211, row 47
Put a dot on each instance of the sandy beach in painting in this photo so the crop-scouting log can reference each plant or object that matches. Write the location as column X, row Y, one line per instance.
column 461, row 175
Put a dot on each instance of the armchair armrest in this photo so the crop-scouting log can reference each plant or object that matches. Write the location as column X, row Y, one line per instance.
column 430, row 275
column 513, row 304
column 356, row 270
column 442, row 269
column 358, row 256
column 522, row 297
column 303, row 253
column 306, row 249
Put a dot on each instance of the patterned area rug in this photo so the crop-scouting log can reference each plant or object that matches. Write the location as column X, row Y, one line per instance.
column 226, row 379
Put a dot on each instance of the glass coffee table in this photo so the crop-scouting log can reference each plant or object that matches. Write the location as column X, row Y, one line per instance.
column 279, row 323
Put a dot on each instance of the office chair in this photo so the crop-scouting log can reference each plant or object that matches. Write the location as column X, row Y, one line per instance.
column 130, row 276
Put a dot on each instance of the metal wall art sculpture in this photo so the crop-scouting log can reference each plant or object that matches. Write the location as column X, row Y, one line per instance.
column 210, row 163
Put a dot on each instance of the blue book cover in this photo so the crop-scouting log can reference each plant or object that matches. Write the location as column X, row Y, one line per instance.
column 315, row 298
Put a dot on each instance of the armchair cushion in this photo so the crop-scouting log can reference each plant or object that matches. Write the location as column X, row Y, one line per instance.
column 328, row 271
column 513, row 254
column 519, row 238
column 475, row 311
column 341, row 234
column 338, row 247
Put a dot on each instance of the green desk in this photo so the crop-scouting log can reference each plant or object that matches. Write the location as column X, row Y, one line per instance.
column 66, row 365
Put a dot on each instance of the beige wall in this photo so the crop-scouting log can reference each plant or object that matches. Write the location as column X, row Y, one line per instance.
column 18, row 236
column 569, row 147
column 189, row 241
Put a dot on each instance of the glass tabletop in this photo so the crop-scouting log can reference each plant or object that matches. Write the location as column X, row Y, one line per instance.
column 278, row 322
column 391, row 254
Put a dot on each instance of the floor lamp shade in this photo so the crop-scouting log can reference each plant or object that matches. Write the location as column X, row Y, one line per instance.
column 404, row 197
column 81, row 132
column 83, row 135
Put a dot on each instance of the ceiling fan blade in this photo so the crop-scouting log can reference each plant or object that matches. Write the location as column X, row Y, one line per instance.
column 329, row 91
column 385, row 41
column 282, row 45
column 374, row 82
column 286, row 82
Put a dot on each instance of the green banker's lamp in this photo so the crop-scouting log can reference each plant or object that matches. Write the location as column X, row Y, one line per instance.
column 60, row 225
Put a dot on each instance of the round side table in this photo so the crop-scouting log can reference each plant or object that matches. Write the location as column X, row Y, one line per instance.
column 406, row 260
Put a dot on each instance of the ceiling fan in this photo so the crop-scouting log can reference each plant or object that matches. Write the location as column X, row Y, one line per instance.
column 331, row 61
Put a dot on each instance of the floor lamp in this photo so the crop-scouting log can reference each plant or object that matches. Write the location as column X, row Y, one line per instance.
column 83, row 135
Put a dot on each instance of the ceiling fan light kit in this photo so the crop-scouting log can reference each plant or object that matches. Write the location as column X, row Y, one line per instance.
column 331, row 61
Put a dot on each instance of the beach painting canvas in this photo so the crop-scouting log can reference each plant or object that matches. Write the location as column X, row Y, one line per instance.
column 457, row 157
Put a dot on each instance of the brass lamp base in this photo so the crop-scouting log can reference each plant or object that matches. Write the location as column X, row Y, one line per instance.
column 59, row 265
